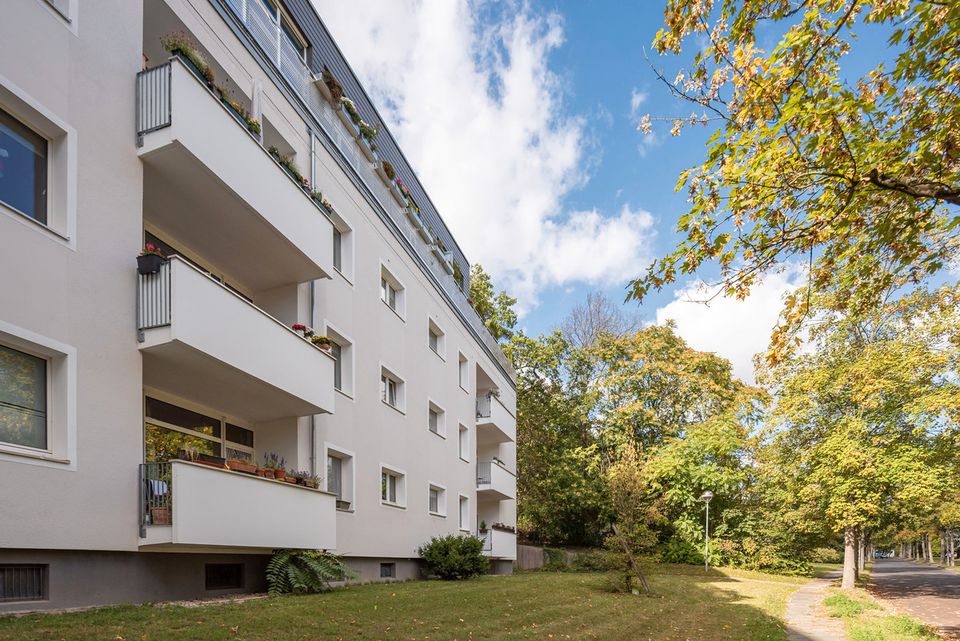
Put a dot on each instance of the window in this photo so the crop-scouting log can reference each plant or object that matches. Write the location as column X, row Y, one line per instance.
column 22, row 582
column 435, row 338
column 437, row 500
column 339, row 476
column 464, row 513
column 388, row 570
column 23, row 399
column 223, row 576
column 464, row 372
column 391, row 292
column 337, row 352
column 392, row 490
column 391, row 389
column 464, row 443
column 169, row 428
column 436, row 419
column 288, row 40
column 23, row 168
column 337, row 249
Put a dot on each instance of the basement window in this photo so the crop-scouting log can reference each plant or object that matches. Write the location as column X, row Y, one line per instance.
column 223, row 576
column 22, row 582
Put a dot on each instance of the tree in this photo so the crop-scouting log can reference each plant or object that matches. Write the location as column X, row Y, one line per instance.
column 858, row 177
column 858, row 418
column 595, row 317
column 494, row 308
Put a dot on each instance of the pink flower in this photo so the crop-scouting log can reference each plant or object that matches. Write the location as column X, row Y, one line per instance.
column 299, row 327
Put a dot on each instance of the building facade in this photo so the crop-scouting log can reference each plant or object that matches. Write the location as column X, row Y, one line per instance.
column 138, row 397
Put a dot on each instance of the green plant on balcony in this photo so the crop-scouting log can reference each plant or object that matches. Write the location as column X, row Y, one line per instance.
column 333, row 86
column 388, row 169
column 304, row 571
column 458, row 274
column 179, row 42
column 286, row 161
column 323, row 342
column 252, row 124
column 368, row 131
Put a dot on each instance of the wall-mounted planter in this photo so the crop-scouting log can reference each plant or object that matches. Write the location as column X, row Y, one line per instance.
column 364, row 145
column 425, row 234
column 414, row 216
column 397, row 194
column 445, row 258
column 149, row 264
column 347, row 121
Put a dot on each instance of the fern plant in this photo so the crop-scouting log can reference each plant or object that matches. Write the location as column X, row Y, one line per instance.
column 304, row 571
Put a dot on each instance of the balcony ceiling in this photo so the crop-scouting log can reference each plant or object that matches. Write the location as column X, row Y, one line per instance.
column 186, row 201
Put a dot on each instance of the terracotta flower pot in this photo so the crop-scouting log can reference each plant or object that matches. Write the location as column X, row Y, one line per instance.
column 268, row 473
column 279, row 474
column 160, row 515
column 242, row 466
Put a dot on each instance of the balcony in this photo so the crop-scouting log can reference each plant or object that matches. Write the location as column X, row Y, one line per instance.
column 202, row 341
column 499, row 544
column 495, row 423
column 209, row 183
column 184, row 503
column 495, row 481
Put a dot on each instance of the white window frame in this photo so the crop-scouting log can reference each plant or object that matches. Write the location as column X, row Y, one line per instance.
column 400, row 389
column 61, row 225
column 61, row 451
column 201, row 409
column 463, row 443
column 434, row 329
column 463, row 519
column 441, row 491
column 388, row 282
column 463, row 371
column 348, row 471
column 347, row 267
column 441, row 419
column 401, row 486
column 348, row 378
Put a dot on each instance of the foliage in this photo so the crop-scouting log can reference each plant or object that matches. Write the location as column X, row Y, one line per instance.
column 593, row 561
column 388, row 170
column 253, row 125
column 182, row 41
column 495, row 309
column 857, row 175
column 333, row 85
column 842, row 606
column 679, row 551
column 368, row 131
column 454, row 557
column 304, row 571
column 826, row 555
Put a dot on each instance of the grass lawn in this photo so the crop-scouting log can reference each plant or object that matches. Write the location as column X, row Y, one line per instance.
column 866, row 620
column 541, row 605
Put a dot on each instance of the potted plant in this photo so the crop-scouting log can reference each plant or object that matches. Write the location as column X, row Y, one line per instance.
column 274, row 465
column 483, row 526
column 149, row 260
column 334, row 88
column 300, row 476
column 289, row 477
column 323, row 342
column 160, row 515
column 186, row 48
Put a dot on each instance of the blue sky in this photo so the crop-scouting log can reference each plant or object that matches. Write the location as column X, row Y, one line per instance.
column 521, row 121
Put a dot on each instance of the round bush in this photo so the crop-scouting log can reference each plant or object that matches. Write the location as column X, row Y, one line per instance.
column 454, row 557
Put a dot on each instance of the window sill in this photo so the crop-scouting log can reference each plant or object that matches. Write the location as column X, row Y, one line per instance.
column 30, row 221
column 347, row 510
column 342, row 393
column 36, row 455
column 438, row 515
column 439, row 355
column 393, row 407
column 395, row 312
column 465, row 460
column 465, row 390
column 443, row 436
column 346, row 278
column 395, row 506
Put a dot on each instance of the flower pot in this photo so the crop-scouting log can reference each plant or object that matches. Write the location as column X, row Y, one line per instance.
column 262, row 472
column 290, row 479
column 324, row 346
column 149, row 264
column 279, row 474
column 242, row 466
column 268, row 473
column 160, row 515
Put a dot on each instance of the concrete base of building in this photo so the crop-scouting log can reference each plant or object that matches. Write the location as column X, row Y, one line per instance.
column 498, row 566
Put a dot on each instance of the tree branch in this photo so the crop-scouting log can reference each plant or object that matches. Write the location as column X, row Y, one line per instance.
column 916, row 188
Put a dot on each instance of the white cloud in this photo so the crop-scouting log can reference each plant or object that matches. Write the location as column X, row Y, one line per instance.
column 481, row 117
column 734, row 329
column 637, row 98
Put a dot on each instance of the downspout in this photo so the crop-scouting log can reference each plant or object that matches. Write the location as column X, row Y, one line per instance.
column 313, row 417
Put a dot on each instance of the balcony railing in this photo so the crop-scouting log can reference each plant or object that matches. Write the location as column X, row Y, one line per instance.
column 487, row 537
column 496, row 480
column 156, row 496
column 154, row 102
column 491, row 412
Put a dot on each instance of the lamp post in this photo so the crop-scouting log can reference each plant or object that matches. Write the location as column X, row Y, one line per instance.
column 705, row 497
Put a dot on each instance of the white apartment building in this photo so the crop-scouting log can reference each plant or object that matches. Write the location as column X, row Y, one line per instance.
column 110, row 142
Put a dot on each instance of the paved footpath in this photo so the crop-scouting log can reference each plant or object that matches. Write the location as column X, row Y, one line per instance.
column 928, row 593
column 807, row 619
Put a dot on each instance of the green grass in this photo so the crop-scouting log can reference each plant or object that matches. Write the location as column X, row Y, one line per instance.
column 866, row 620
column 843, row 607
column 526, row 606
column 823, row 569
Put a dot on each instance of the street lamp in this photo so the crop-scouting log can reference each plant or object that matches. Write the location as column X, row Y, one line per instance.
column 705, row 497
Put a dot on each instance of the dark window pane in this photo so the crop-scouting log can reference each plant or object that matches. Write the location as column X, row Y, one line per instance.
column 337, row 352
column 23, row 582
column 223, row 576
column 337, row 249
column 239, row 435
column 23, row 399
column 187, row 419
column 163, row 444
column 23, row 168
column 388, row 570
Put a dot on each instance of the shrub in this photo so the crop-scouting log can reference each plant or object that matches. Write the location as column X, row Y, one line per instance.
column 454, row 557
column 842, row 606
column 677, row 551
column 594, row 561
column 826, row 555
column 304, row 571
column 556, row 559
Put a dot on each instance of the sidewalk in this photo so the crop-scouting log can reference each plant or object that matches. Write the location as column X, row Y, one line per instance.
column 807, row 620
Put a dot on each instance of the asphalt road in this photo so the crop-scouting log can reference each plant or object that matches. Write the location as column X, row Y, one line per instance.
column 928, row 593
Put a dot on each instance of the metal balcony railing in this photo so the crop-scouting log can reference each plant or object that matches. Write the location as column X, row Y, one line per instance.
column 487, row 538
column 156, row 495
column 484, row 473
column 154, row 103
column 153, row 298
column 484, row 406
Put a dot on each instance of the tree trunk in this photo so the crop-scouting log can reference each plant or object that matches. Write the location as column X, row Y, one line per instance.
column 849, row 559
column 929, row 550
column 943, row 547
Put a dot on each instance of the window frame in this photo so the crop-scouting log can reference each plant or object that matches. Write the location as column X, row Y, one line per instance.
column 194, row 407
column 434, row 330
column 48, row 396
column 463, row 371
column 463, row 443
column 348, row 475
column 441, row 492
column 441, row 414
column 463, row 523
column 400, row 486
column 389, row 376
column 47, row 163
column 389, row 283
